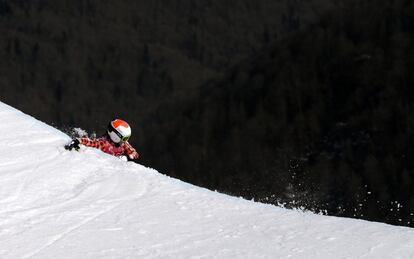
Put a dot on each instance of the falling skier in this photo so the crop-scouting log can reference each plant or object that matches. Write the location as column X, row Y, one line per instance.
column 114, row 141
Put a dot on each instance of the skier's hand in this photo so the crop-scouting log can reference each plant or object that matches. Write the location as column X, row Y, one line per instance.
column 133, row 157
column 74, row 144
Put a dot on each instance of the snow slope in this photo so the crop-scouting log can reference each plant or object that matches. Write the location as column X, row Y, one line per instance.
column 60, row 204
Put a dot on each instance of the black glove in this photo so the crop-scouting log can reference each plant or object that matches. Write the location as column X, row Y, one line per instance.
column 74, row 144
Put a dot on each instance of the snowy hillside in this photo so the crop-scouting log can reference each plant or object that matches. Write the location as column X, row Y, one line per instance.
column 60, row 204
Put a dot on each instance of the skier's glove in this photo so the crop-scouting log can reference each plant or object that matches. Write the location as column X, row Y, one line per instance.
column 132, row 158
column 74, row 144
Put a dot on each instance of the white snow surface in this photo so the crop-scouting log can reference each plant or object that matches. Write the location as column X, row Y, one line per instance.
column 60, row 204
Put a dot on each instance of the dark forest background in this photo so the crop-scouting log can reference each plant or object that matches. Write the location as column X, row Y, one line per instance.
column 302, row 103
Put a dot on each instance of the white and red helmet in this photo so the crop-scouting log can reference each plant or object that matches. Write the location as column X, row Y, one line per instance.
column 119, row 131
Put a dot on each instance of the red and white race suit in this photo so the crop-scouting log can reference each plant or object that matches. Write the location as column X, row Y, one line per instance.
column 105, row 144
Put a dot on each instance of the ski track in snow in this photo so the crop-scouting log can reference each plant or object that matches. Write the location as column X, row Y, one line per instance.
column 60, row 204
column 77, row 226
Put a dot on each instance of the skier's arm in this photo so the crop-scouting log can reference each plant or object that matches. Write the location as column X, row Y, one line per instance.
column 91, row 142
column 131, row 153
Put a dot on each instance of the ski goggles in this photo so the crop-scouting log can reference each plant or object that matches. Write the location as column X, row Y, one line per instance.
column 122, row 138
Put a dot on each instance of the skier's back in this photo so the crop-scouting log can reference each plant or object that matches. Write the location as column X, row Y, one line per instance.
column 114, row 141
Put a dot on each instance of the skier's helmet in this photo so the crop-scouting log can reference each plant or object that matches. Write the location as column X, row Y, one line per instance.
column 119, row 131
